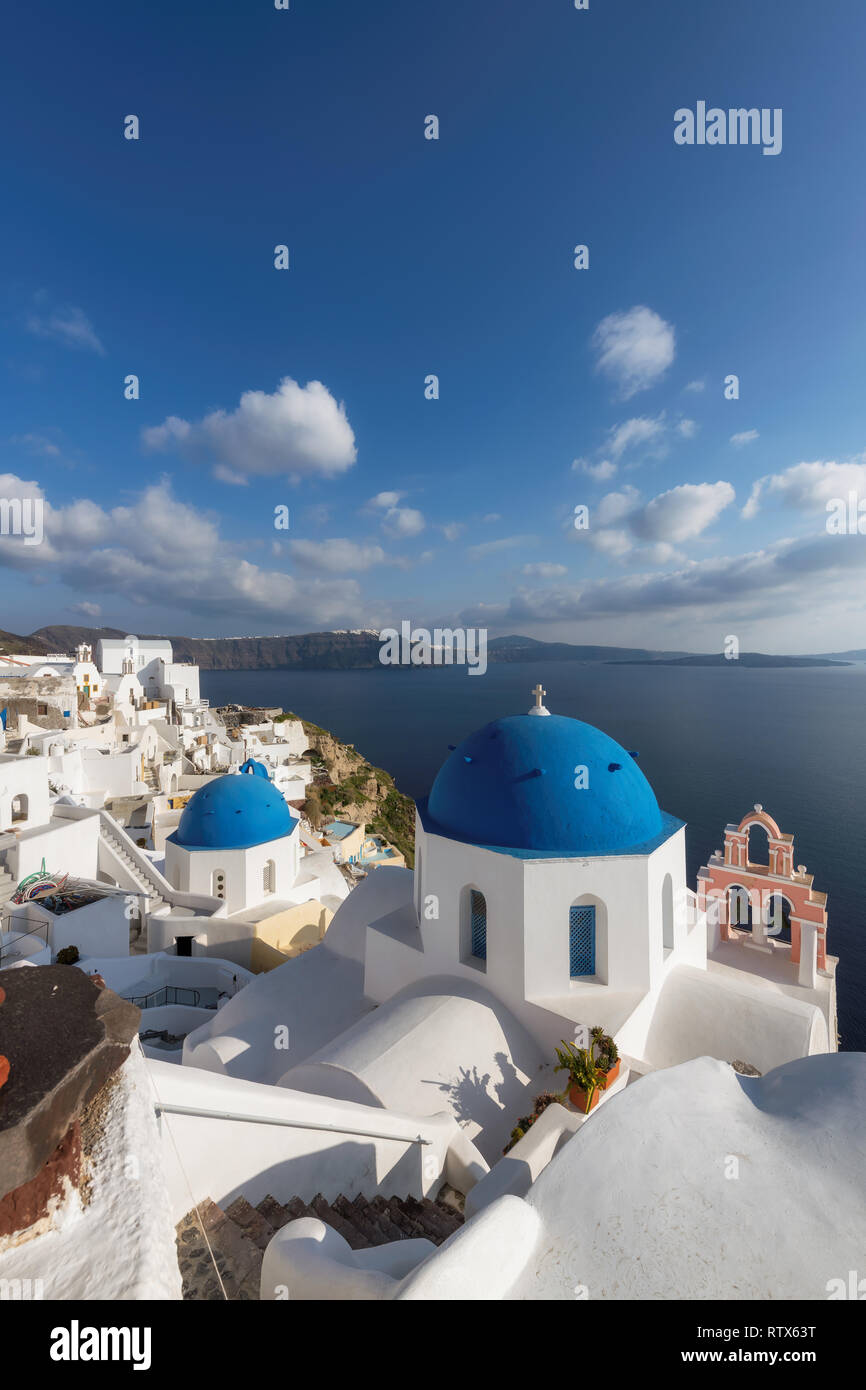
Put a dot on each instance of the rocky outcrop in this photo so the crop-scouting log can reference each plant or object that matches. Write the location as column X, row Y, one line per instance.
column 348, row 787
column 63, row 1038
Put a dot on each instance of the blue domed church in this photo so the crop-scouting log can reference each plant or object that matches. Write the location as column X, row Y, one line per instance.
column 237, row 840
column 545, row 866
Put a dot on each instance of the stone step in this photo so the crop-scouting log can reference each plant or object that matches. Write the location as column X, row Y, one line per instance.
column 274, row 1212
column 255, row 1226
column 238, row 1258
column 381, row 1218
column 239, row 1235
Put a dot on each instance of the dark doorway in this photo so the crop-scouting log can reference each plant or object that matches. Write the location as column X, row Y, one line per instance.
column 183, row 945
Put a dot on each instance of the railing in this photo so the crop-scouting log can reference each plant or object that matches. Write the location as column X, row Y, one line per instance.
column 143, row 1001
column 162, row 1109
column 43, row 926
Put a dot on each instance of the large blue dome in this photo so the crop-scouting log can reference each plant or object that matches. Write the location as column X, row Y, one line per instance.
column 234, row 812
column 511, row 785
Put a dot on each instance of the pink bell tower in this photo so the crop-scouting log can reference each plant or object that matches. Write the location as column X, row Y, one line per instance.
column 728, row 874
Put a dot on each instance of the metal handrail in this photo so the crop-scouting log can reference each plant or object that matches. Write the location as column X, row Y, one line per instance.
column 288, row 1124
column 140, row 1000
column 43, row 926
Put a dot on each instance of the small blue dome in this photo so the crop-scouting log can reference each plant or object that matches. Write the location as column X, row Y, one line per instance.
column 511, row 785
column 234, row 812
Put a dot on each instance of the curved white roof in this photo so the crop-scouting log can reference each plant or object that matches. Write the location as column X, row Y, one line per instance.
column 699, row 1183
column 439, row 1045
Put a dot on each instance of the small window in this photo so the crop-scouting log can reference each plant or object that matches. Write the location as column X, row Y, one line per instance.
column 269, row 877
column 581, row 941
column 478, row 924
column 668, row 913
column 219, row 883
column 41, row 709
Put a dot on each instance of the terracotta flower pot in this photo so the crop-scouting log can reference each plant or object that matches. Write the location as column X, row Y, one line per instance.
column 577, row 1096
column 610, row 1076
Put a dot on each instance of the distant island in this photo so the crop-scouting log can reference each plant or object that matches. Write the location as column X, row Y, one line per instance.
column 744, row 659
column 357, row 650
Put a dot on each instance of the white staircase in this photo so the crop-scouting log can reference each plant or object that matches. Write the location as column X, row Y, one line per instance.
column 131, row 869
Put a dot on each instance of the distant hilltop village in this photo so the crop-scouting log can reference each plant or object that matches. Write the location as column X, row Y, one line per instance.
column 537, row 1062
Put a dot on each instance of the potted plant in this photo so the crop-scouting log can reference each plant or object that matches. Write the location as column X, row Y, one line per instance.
column 585, row 1076
column 525, row 1123
column 605, row 1054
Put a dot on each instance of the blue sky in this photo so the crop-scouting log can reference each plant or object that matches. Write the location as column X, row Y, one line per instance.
column 602, row 387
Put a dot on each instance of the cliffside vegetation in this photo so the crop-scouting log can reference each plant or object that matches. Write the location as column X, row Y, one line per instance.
column 347, row 787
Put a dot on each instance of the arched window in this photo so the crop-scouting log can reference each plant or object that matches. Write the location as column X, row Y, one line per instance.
column 777, row 918
column 478, row 924
column 758, row 845
column 739, row 908
column 19, row 808
column 668, row 913
column 581, row 941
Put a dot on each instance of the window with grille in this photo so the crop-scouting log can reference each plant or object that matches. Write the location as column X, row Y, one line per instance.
column 478, row 924
column 581, row 941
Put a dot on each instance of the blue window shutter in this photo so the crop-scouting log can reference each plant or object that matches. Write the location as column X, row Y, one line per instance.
column 581, row 941
column 478, row 908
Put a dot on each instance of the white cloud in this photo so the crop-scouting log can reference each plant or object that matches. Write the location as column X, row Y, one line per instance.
column 164, row 548
column 403, row 521
column 804, row 575
column 695, row 386
column 614, row 506
column 687, row 428
column 634, row 434
column 744, row 437
column 68, row 325
column 223, row 474
column 385, row 499
column 85, row 609
column 452, row 529
column 173, row 430
column 810, row 486
column 297, row 431
column 544, row 570
column 612, row 542
column 600, row 471
column 479, row 552
column 684, row 512
column 337, row 555
column 35, row 444
column 681, row 514
column 634, row 348
column 491, row 516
